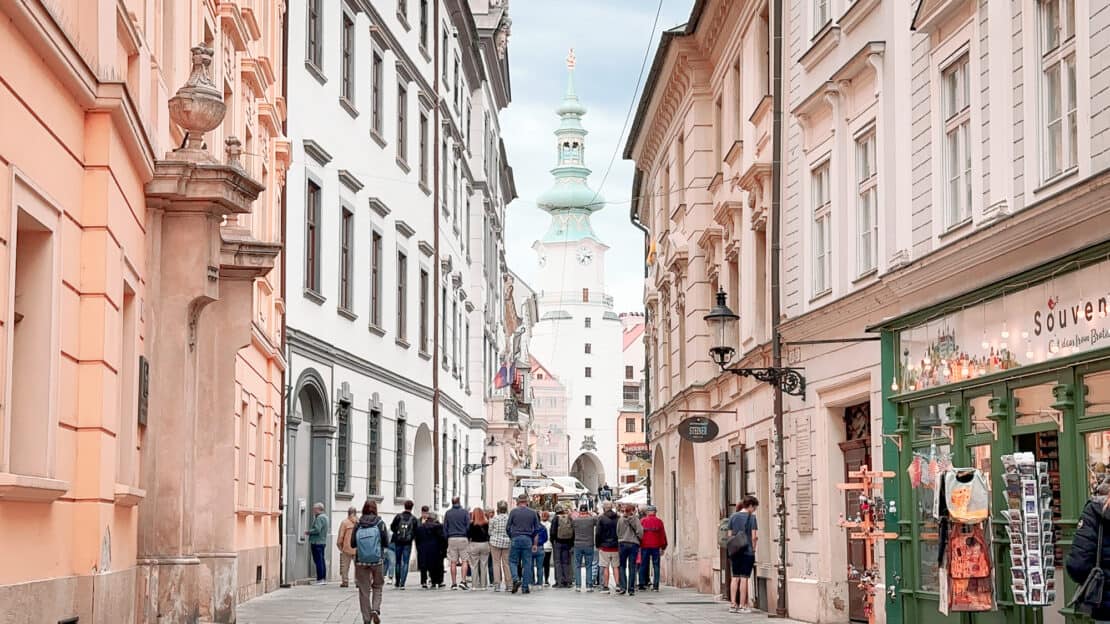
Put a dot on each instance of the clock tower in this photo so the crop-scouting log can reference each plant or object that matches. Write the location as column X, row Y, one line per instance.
column 578, row 337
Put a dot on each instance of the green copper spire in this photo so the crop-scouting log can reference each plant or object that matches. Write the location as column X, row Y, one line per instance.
column 570, row 201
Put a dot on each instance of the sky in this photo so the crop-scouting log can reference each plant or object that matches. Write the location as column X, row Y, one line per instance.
column 610, row 39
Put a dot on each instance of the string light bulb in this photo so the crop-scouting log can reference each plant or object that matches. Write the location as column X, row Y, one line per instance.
column 894, row 384
column 1005, row 331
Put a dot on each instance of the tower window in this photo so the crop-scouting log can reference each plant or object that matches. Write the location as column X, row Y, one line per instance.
column 589, row 348
column 589, row 322
column 589, row 401
column 586, row 295
column 589, row 372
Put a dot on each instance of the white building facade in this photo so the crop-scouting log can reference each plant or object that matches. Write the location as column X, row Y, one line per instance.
column 578, row 337
column 395, row 199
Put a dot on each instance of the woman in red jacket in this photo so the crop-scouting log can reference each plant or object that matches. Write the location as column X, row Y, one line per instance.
column 652, row 546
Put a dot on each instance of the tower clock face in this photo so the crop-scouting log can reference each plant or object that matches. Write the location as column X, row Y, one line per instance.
column 584, row 255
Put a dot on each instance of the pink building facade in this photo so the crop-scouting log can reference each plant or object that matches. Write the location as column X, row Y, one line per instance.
column 141, row 308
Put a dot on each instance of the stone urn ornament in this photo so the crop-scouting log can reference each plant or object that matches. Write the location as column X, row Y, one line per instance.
column 198, row 106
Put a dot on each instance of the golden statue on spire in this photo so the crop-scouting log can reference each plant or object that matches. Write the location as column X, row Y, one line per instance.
column 570, row 59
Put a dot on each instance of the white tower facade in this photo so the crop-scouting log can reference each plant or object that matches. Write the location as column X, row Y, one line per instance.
column 578, row 336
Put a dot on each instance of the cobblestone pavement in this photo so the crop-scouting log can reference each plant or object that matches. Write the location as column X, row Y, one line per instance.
column 330, row 604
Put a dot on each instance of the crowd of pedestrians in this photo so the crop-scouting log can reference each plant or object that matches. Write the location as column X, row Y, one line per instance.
column 494, row 550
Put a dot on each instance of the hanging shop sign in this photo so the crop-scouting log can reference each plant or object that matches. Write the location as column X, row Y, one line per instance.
column 698, row 429
column 1066, row 315
column 526, row 472
column 534, row 483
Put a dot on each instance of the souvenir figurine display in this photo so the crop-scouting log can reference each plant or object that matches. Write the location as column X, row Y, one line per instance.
column 1030, row 528
column 866, row 527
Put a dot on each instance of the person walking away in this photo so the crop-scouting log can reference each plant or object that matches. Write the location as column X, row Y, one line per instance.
column 343, row 543
column 456, row 522
column 523, row 528
column 743, row 522
column 478, row 535
column 1085, row 563
column 652, row 547
column 318, row 541
column 403, row 529
column 499, row 545
column 545, row 522
column 607, row 544
column 371, row 542
column 585, row 533
column 629, row 534
column 562, row 532
column 431, row 547
column 540, row 574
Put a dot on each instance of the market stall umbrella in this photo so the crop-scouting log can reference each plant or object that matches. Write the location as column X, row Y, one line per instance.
column 636, row 498
column 546, row 490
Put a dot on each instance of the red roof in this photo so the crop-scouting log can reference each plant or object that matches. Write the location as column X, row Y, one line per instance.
column 632, row 334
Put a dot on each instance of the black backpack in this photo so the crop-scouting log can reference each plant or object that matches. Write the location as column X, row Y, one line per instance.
column 405, row 527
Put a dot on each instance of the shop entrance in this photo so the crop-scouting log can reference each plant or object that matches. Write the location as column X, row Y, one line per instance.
column 856, row 450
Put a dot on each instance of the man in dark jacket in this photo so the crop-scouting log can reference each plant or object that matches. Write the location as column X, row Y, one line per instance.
column 561, row 546
column 456, row 524
column 368, row 574
column 1081, row 559
column 524, row 529
column 403, row 529
column 607, row 545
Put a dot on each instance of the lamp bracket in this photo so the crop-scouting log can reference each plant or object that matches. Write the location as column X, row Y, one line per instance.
column 790, row 380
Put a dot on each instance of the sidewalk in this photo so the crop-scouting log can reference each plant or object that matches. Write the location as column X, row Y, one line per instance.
column 330, row 604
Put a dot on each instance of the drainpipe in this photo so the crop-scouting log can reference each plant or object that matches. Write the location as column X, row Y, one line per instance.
column 634, row 217
column 436, row 303
column 284, row 324
column 776, row 304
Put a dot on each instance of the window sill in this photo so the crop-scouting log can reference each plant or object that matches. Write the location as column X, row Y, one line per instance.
column 401, row 342
column 866, row 275
column 403, row 165
column 314, row 296
column 374, row 329
column 127, row 496
column 346, row 313
column 400, row 500
column 15, row 487
column 315, row 71
column 823, row 42
column 956, row 228
column 424, row 355
column 378, row 138
column 377, row 498
column 348, row 106
column 344, row 496
column 820, row 295
column 1056, row 179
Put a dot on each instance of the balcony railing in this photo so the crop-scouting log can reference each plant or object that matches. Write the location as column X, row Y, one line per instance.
column 575, row 296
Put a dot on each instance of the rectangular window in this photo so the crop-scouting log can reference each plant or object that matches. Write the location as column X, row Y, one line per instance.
column 628, row 371
column 346, row 300
column 376, row 279
column 443, row 55
column 589, row 372
column 956, row 91
column 455, row 194
column 443, row 326
column 373, row 454
column 586, row 295
column 1058, row 92
column 424, row 23
column 315, row 51
column 632, row 394
column 822, row 217
column 821, row 15
column 718, row 132
column 589, row 348
column 443, row 176
column 312, row 237
column 402, row 295
column 630, row 425
column 455, row 337
column 589, row 421
column 466, row 126
column 348, row 74
column 867, row 184
column 402, row 123
column 376, row 91
column 458, row 91
column 423, row 311
column 342, row 447
column 399, row 456
column 423, row 147
column 589, row 322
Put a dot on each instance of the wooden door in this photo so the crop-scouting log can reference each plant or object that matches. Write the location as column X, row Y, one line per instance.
column 856, row 453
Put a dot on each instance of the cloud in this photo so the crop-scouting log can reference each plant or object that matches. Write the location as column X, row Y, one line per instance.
column 610, row 39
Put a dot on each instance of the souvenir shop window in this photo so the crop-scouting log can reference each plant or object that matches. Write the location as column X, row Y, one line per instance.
column 1097, row 396
column 1033, row 405
column 930, row 422
column 1098, row 457
column 926, row 465
column 981, row 459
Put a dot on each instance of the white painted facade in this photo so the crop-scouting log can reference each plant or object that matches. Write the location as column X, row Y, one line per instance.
column 380, row 310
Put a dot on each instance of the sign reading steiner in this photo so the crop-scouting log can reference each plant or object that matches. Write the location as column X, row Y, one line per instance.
column 698, row 429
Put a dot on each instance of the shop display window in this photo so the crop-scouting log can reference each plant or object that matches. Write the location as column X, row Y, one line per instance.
column 1097, row 395
column 930, row 422
column 1098, row 457
column 1033, row 405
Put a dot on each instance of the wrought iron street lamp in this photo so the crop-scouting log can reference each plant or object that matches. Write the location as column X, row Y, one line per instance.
column 723, row 328
column 469, row 468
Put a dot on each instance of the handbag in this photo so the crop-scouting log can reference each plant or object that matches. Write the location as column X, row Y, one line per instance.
column 740, row 543
column 1089, row 595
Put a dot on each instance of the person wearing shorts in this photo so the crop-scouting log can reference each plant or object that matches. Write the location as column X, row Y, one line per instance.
column 743, row 562
column 456, row 525
column 607, row 545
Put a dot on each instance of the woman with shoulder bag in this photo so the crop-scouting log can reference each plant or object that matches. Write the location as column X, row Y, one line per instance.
column 1088, row 560
column 742, row 532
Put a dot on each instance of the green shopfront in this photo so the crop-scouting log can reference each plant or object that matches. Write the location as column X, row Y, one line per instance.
column 1019, row 366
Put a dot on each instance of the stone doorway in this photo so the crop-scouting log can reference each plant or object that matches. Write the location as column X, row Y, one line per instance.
column 311, row 434
column 423, row 464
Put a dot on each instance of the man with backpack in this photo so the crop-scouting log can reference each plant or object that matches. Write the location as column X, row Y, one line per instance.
column 370, row 541
column 562, row 538
column 742, row 535
column 404, row 530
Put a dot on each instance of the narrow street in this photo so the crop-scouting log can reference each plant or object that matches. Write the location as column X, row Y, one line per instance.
column 330, row 604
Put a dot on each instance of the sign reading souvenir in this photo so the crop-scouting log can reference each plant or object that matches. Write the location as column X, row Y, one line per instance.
column 698, row 429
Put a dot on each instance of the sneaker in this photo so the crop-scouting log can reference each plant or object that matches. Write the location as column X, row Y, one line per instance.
column 454, row 587
column 496, row 588
column 578, row 589
column 744, row 610
column 525, row 591
column 620, row 591
column 375, row 618
column 589, row 590
column 655, row 589
column 516, row 586
column 423, row 586
column 321, row 582
column 733, row 609
column 464, row 587
column 344, row 585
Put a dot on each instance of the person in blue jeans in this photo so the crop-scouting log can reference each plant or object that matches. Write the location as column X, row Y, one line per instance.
column 540, row 575
column 585, row 530
column 318, row 541
column 403, row 529
column 523, row 527
column 651, row 547
column 629, row 534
